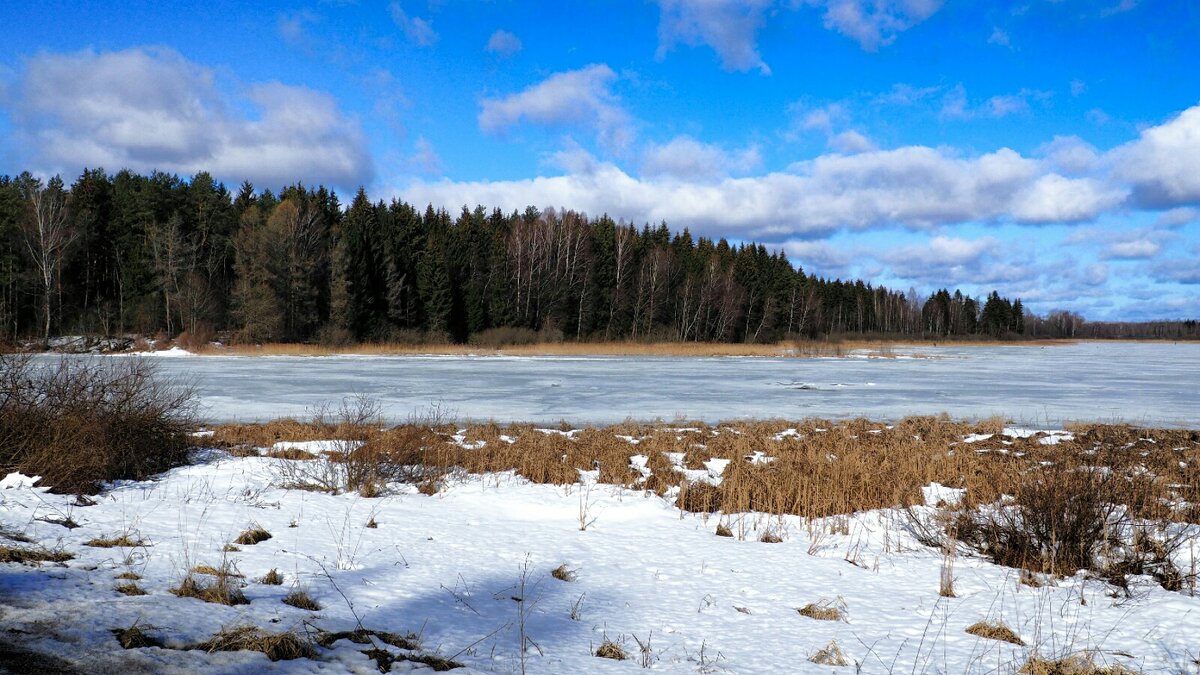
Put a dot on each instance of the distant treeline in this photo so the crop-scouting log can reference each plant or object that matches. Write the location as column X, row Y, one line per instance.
column 157, row 254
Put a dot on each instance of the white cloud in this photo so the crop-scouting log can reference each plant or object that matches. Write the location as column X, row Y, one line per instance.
column 294, row 27
column 1071, row 154
column 1095, row 274
column 915, row 187
column 902, row 94
column 1055, row 199
column 1163, row 165
column 418, row 31
column 686, row 158
column 851, row 142
column 1135, row 249
column 503, row 43
column 875, row 23
column 147, row 109
column 1178, row 217
column 730, row 27
column 1078, row 87
column 955, row 104
column 424, row 158
column 581, row 98
column 999, row 37
column 820, row 257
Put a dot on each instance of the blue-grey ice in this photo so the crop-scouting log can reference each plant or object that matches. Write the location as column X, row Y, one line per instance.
column 1140, row 383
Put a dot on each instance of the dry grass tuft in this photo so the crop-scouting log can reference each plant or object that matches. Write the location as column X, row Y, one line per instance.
column 363, row 636
column 611, row 650
column 723, row 530
column 824, row 610
column 995, row 631
column 135, row 638
column 562, row 573
column 300, row 599
column 276, row 646
column 830, row 655
column 220, row 572
column 230, row 548
column 1075, row 664
column 32, row 556
column 372, row 524
column 221, row 591
column 130, row 588
column 295, row 454
column 272, row 578
column 122, row 541
column 130, row 576
column 252, row 536
column 769, row 537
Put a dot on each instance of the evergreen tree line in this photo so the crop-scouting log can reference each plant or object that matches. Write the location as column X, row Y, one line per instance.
column 150, row 254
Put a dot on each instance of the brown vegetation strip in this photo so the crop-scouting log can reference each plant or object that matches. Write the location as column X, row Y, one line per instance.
column 822, row 468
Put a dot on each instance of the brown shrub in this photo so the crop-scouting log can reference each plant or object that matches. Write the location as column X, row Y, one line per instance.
column 78, row 422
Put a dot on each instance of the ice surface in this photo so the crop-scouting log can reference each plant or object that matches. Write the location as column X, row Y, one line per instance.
column 1142, row 383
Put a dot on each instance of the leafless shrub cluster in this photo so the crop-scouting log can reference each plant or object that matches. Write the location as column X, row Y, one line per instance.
column 79, row 422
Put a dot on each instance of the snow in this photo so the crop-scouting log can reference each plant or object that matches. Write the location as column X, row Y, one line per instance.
column 448, row 567
column 1147, row 383
column 18, row 480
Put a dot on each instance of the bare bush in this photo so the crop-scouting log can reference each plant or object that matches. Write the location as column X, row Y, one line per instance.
column 79, row 422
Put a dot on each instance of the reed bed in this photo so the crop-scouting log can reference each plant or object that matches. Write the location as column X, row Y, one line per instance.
column 811, row 468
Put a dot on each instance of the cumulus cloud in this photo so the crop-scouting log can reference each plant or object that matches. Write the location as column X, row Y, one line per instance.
column 875, row 23
column 1071, row 154
column 1137, row 248
column 579, row 98
column 418, row 31
column 729, row 27
column 851, row 142
column 503, row 43
column 686, row 158
column 1163, row 164
column 915, row 187
column 1055, row 199
column 147, row 109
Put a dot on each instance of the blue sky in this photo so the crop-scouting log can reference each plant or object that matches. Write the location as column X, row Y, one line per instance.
column 1049, row 149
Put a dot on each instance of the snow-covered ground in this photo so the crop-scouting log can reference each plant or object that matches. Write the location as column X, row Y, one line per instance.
column 451, row 568
column 1142, row 383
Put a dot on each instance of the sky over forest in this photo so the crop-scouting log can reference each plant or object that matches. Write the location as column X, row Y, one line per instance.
column 1048, row 149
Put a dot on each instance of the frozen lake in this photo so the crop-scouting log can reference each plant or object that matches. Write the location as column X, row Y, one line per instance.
column 1141, row 383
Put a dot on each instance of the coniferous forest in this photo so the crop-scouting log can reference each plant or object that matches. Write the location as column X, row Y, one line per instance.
column 157, row 254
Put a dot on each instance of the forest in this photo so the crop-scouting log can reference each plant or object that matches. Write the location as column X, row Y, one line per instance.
column 157, row 254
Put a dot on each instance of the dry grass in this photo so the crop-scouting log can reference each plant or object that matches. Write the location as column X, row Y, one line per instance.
column 129, row 576
column 272, row 578
column 130, row 588
column 830, row 655
column 300, row 599
column 825, row 610
column 562, row 573
column 995, row 631
column 1075, row 664
column 804, row 348
column 32, row 556
column 252, row 536
column 122, row 541
column 363, row 636
column 135, row 638
column 611, row 650
column 822, row 469
column 276, row 646
column 221, row 590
